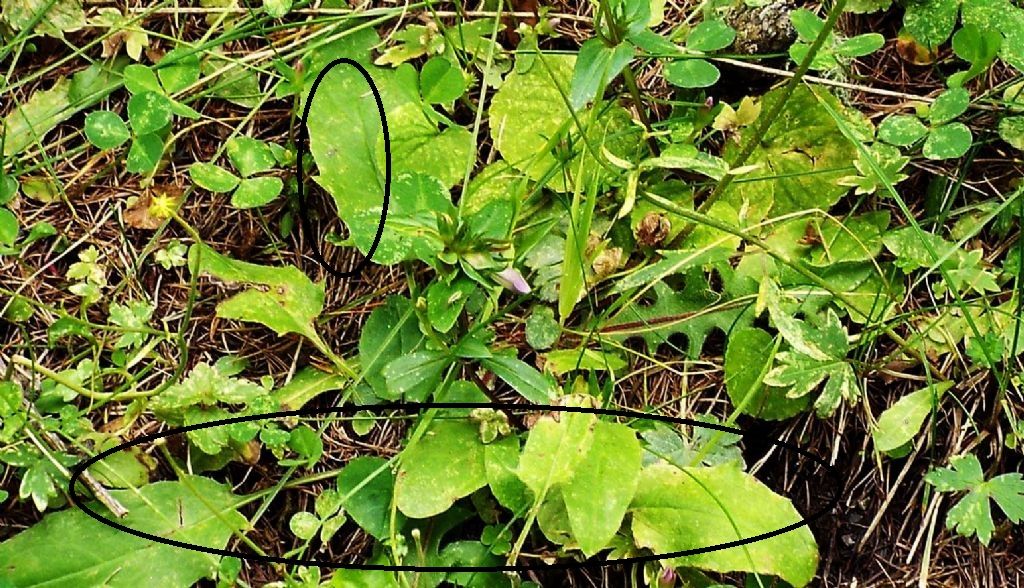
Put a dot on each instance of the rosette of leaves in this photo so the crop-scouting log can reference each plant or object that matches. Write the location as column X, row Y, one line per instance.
column 251, row 158
column 429, row 152
column 592, row 486
column 836, row 50
column 944, row 138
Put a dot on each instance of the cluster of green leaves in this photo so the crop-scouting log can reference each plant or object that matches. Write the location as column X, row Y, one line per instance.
column 946, row 139
column 590, row 485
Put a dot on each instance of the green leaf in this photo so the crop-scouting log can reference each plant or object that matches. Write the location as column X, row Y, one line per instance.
column 902, row 130
column 307, row 443
column 304, row 525
column 419, row 147
column 346, row 578
column 691, row 73
column 602, row 486
column 747, row 355
column 501, row 461
column 596, row 66
column 105, row 129
column 277, row 8
column 50, row 17
column 977, row 46
column 563, row 361
column 249, row 156
column 931, row 21
column 415, row 376
column 440, row 81
column 444, row 465
column 390, row 333
column 949, row 105
column 860, row 45
column 138, row 78
column 901, row 421
column 948, row 141
column 281, row 298
column 212, row 177
column 527, row 381
column 542, row 330
column 801, row 157
column 256, row 192
column 178, row 69
column 672, row 263
column 857, row 238
column 8, row 227
column 308, row 383
column 801, row 371
column 148, row 112
column 710, row 35
column 554, row 450
column 370, row 505
column 678, row 509
column 521, row 128
column 102, row 555
column 1011, row 130
column 688, row 157
column 445, row 302
column 144, row 154
column 972, row 515
column 911, row 248
column 806, row 24
column 410, row 228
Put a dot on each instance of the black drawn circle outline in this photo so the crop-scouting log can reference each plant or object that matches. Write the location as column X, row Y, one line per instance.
column 301, row 147
column 81, row 467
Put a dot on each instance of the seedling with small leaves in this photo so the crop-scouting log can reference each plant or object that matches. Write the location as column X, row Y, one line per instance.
column 837, row 51
column 694, row 72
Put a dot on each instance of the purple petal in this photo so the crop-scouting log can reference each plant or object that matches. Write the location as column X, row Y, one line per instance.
column 513, row 280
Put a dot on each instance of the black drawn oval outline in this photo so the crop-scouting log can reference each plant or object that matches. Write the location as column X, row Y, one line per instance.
column 301, row 146
column 629, row 414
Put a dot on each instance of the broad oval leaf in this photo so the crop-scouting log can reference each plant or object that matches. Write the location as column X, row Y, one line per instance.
column 444, row 465
column 678, row 509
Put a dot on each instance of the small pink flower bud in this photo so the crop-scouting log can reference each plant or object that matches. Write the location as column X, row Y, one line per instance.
column 667, row 578
column 513, row 280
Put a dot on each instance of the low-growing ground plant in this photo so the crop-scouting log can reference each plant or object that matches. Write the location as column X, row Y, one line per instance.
column 800, row 224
